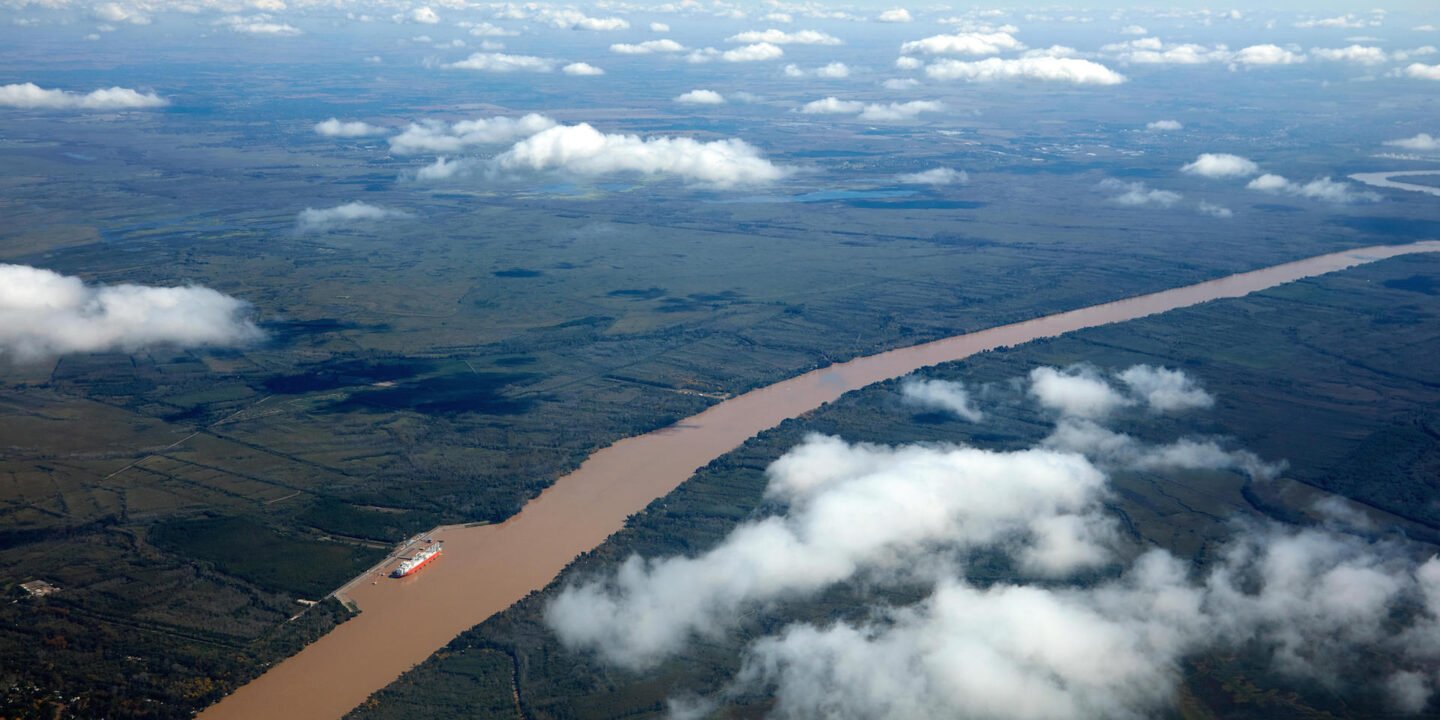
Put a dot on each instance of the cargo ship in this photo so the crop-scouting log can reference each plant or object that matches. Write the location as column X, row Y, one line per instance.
column 417, row 561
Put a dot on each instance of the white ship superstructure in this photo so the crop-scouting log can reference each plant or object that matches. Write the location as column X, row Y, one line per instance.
column 418, row 560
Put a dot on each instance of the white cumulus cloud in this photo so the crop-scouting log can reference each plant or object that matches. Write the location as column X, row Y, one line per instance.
column 1164, row 126
column 259, row 25
column 935, row 176
column 583, row 150
column 829, row 71
column 1079, row 391
column 951, row 397
column 581, row 69
column 117, row 13
column 485, row 29
column 501, row 62
column 850, row 507
column 1422, row 71
column 752, row 53
column 1423, row 141
column 832, row 106
column 32, row 96
column 1220, row 165
column 334, row 127
column 664, row 45
column 1049, row 69
column 891, row 112
column 873, row 112
column 1214, row 210
column 1138, row 194
column 44, row 314
column 1150, row 51
column 1165, row 390
column 1348, row 20
column 701, row 97
column 782, row 37
column 442, row 169
column 1360, row 54
column 355, row 213
column 964, row 44
column 438, row 137
column 895, row 15
column 1266, row 54
column 1006, row 651
column 1313, row 602
column 1323, row 189
column 576, row 20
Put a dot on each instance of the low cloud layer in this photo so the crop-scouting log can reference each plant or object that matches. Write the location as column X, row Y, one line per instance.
column 852, row 507
column 1323, row 189
column 1308, row 599
column 44, row 314
column 1213, row 210
column 334, row 127
column 757, row 52
column 539, row 144
column 934, row 176
column 1007, row 651
column 349, row 214
column 570, row 19
column 1221, row 165
column 647, row 47
column 263, row 25
column 503, row 63
column 1046, row 69
column 964, row 44
column 582, row 69
column 1077, row 391
column 700, row 97
column 943, row 395
column 1118, row 451
column 438, row 137
column 1152, row 51
column 1138, row 194
column 1423, row 142
column 33, row 97
column 1165, row 390
column 871, row 112
column 1083, row 391
column 829, row 71
column 583, row 150
column 1315, row 602
column 783, row 37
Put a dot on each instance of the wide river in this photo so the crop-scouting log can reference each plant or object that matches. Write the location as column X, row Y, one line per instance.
column 485, row 569
column 1387, row 180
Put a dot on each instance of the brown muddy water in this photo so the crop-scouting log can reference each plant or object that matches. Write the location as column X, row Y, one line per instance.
column 485, row 569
